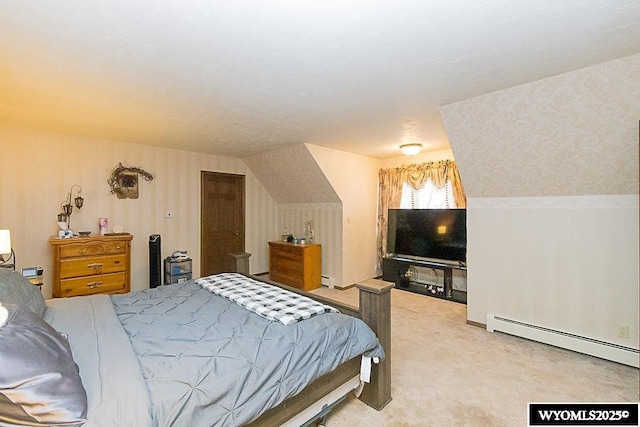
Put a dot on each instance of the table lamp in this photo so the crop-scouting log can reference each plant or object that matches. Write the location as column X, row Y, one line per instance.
column 5, row 248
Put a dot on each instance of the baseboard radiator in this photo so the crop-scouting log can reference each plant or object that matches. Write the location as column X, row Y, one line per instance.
column 326, row 281
column 602, row 349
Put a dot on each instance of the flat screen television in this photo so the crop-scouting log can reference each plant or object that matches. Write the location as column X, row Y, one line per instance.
column 433, row 234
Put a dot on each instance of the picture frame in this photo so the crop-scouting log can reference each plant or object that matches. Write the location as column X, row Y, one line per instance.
column 128, row 185
column 124, row 181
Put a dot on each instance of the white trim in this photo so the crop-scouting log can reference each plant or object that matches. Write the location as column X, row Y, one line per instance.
column 615, row 201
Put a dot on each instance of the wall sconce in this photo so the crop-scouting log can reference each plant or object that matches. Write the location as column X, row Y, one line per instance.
column 67, row 207
column 411, row 149
column 5, row 248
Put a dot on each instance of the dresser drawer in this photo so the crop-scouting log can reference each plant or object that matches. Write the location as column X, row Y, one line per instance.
column 287, row 252
column 285, row 266
column 90, row 266
column 105, row 283
column 93, row 248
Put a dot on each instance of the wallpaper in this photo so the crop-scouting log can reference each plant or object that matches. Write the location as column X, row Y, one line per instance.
column 572, row 134
column 291, row 175
column 550, row 169
column 566, row 263
column 327, row 225
column 37, row 170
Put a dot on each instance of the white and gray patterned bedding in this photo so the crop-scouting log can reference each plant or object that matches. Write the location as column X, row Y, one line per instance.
column 268, row 301
column 207, row 361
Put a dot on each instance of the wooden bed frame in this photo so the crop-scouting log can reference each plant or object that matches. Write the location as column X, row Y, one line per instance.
column 375, row 310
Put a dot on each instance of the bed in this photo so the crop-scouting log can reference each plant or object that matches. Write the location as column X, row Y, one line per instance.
column 186, row 354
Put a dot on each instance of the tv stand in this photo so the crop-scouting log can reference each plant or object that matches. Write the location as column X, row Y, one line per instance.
column 402, row 271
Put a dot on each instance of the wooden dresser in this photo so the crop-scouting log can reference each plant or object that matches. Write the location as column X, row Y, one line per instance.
column 91, row 265
column 295, row 265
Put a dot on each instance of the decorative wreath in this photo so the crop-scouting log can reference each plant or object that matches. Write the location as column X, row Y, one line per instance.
column 120, row 174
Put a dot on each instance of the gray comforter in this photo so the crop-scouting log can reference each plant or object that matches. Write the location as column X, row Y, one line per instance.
column 111, row 375
column 206, row 361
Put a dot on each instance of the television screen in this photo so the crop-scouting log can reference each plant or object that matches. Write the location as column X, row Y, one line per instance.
column 439, row 234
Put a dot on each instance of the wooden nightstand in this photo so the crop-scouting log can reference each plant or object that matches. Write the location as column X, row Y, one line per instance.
column 91, row 265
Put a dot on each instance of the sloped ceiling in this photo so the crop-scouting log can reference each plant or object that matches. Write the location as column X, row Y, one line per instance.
column 570, row 135
column 291, row 175
column 239, row 78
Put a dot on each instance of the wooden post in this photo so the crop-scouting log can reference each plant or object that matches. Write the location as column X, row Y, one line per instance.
column 375, row 310
column 240, row 262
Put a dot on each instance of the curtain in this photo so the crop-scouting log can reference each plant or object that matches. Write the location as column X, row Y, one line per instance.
column 390, row 191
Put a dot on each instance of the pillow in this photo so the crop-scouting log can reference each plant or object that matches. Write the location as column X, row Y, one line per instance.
column 4, row 315
column 18, row 290
column 39, row 381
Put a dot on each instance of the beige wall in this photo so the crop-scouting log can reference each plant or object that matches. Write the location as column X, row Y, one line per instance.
column 302, row 191
column 40, row 167
column 355, row 179
column 551, row 174
column 37, row 170
column 327, row 224
column 566, row 263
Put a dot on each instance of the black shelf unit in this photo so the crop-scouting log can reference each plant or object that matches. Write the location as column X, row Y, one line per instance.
column 394, row 269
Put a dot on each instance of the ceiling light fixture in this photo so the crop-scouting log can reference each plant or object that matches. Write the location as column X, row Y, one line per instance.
column 411, row 149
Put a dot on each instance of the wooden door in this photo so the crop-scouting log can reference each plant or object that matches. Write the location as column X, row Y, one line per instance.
column 222, row 221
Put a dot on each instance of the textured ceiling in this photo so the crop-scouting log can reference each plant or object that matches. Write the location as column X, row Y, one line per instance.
column 240, row 78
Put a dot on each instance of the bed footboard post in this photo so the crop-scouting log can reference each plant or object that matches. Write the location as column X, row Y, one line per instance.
column 375, row 310
column 240, row 262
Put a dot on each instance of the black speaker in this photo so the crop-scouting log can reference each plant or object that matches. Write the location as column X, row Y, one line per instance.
column 155, row 264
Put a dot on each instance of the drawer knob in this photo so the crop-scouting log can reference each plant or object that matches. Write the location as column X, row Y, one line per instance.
column 94, row 265
column 93, row 285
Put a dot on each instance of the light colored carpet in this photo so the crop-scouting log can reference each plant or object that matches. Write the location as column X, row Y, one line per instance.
column 448, row 373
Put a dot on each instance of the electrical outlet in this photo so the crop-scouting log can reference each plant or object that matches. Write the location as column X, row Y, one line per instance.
column 168, row 214
column 623, row 331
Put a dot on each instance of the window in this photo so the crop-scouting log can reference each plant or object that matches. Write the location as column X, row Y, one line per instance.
column 428, row 197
